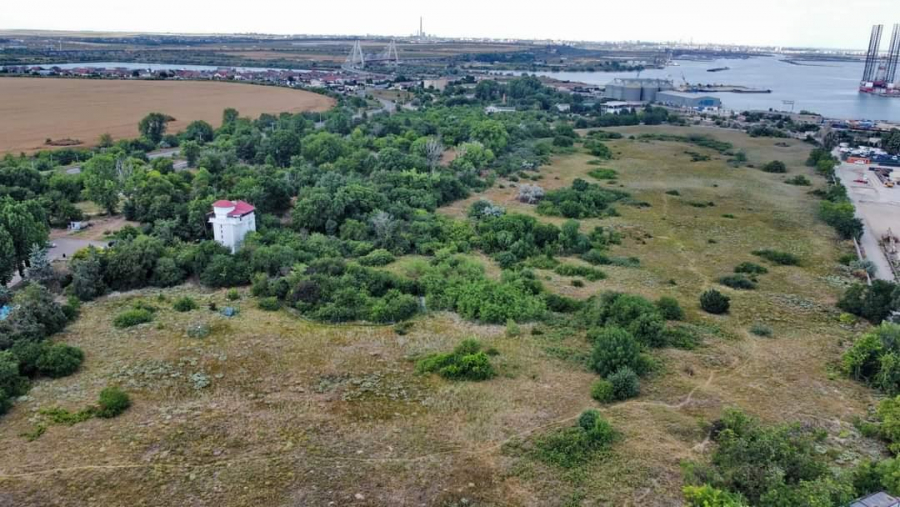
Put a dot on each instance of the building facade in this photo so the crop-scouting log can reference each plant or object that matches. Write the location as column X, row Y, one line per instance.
column 231, row 221
column 688, row 100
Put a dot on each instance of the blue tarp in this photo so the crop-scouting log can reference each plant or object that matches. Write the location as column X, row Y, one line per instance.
column 4, row 312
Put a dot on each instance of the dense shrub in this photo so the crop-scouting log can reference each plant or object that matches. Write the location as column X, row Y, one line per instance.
column 269, row 304
column 615, row 348
column 750, row 268
column 59, row 360
column 132, row 317
column 466, row 362
column 669, row 308
column 380, row 257
column 184, row 304
column 737, row 281
column 871, row 302
column 799, row 180
column 575, row 446
column 602, row 391
column 113, row 401
column 714, row 302
column 708, row 496
column 635, row 314
column 587, row 272
column 603, row 174
column 581, row 200
column 769, row 466
column 874, row 358
column 625, row 384
column 775, row 166
column 761, row 330
column 776, row 257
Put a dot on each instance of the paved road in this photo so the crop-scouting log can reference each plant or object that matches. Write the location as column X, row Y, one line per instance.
column 63, row 249
column 879, row 209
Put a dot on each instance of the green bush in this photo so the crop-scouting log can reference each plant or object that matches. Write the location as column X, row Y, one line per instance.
column 587, row 272
column 750, row 268
column 874, row 358
column 625, row 384
column 512, row 329
column 380, row 257
column 708, row 496
column 776, row 257
column 232, row 295
column 394, row 307
column 737, row 281
column 270, row 304
column 761, row 330
column 775, row 166
column 872, row 302
column 669, row 308
column 466, row 362
column 184, row 304
column 715, row 302
column 602, row 391
column 27, row 352
column 574, row 446
column 769, row 465
column 615, row 348
column 132, row 317
column 113, row 401
column 11, row 382
column 59, row 360
column 603, row 174
column 799, row 180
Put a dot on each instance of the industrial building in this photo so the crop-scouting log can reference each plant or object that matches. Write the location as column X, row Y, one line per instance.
column 636, row 90
column 688, row 100
column 880, row 74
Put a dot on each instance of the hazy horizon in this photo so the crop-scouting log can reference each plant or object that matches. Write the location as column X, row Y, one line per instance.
column 826, row 24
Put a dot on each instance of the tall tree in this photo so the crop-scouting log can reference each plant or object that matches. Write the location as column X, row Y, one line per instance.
column 153, row 126
column 39, row 268
column 101, row 184
column 7, row 257
column 26, row 223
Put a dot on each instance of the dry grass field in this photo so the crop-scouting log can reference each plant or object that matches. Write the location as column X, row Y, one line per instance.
column 35, row 109
column 305, row 414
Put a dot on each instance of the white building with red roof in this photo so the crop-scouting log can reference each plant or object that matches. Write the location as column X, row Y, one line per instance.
column 231, row 221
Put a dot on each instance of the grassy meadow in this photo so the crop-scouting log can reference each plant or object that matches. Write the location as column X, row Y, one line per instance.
column 270, row 409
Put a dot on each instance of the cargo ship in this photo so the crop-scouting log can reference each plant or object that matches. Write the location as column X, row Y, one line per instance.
column 718, row 69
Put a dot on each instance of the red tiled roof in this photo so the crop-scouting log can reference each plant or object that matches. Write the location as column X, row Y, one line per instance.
column 241, row 208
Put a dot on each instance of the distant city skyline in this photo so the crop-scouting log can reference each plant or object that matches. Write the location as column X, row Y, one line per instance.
column 834, row 24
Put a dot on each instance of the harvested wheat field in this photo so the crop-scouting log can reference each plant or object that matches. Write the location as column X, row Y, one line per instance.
column 35, row 109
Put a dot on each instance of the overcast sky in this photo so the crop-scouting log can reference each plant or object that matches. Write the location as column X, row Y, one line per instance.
column 820, row 23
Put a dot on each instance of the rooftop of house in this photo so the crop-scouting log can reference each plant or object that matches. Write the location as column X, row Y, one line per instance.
column 880, row 499
column 240, row 208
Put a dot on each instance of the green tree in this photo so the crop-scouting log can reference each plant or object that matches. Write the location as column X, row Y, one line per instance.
column 87, row 275
column 153, row 126
column 26, row 224
column 199, row 131
column 101, row 183
column 39, row 268
column 7, row 257
column 191, row 151
column 615, row 348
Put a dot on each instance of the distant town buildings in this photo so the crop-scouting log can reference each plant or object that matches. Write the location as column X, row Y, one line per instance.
column 231, row 221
